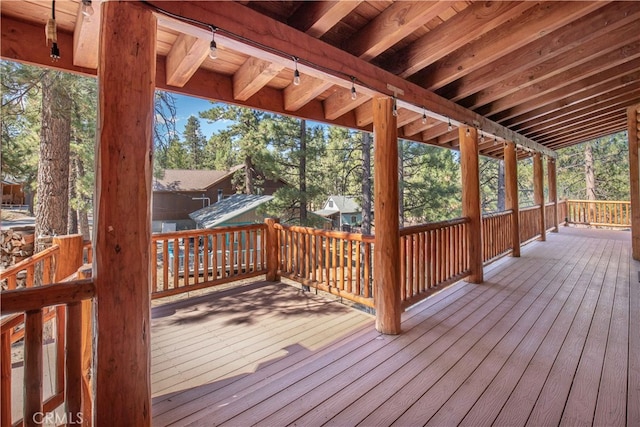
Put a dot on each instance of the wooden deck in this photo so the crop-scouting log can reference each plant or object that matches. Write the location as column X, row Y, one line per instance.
column 549, row 338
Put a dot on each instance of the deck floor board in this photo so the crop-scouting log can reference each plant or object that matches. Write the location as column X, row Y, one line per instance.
column 549, row 338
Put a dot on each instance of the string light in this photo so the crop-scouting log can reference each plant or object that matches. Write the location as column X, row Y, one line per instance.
column 52, row 34
column 213, row 47
column 296, row 73
column 394, row 110
column 449, row 128
column 424, row 116
column 481, row 136
column 354, row 94
column 87, row 8
column 468, row 132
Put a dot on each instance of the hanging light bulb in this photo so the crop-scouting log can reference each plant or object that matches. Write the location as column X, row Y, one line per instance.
column 52, row 34
column 213, row 47
column 468, row 132
column 424, row 116
column 449, row 128
column 354, row 94
column 481, row 136
column 87, row 8
column 296, row 73
column 394, row 110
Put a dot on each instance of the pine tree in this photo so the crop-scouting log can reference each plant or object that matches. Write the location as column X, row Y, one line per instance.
column 194, row 143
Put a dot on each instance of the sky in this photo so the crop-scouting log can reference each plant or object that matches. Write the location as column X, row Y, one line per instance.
column 188, row 106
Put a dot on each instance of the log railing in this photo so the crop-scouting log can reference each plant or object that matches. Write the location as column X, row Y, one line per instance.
column 332, row 261
column 529, row 223
column 496, row 234
column 599, row 213
column 432, row 256
column 30, row 303
column 188, row 260
column 562, row 211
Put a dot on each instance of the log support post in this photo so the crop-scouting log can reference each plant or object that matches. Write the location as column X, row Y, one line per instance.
column 538, row 193
column 70, row 258
column 386, row 252
column 553, row 190
column 122, row 232
column 471, row 207
column 511, row 194
column 273, row 251
column 633, row 121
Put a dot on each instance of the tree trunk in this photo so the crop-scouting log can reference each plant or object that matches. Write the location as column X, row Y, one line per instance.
column 83, row 217
column 589, row 172
column 53, row 166
column 501, row 191
column 366, row 183
column 302, row 170
column 248, row 175
column 72, row 216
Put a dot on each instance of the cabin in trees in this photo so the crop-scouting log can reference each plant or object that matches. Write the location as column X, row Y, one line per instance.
column 178, row 192
column 342, row 211
column 507, row 80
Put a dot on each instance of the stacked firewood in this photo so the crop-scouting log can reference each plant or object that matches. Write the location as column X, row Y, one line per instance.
column 15, row 245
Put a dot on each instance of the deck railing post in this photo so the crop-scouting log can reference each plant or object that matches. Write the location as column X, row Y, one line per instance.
column 538, row 193
column 470, row 171
column 553, row 190
column 70, row 258
column 511, row 194
column 386, row 252
column 273, row 251
column 633, row 122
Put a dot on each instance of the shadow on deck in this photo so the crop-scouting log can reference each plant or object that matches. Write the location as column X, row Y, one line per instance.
column 549, row 338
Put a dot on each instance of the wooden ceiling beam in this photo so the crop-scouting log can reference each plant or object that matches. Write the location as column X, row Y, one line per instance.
column 435, row 131
column 577, row 128
column 274, row 36
column 623, row 75
column 589, row 135
column 86, row 37
column 594, row 95
column 252, row 76
column 589, row 37
column 297, row 96
column 364, row 114
column 317, row 17
column 185, row 57
column 541, row 19
column 601, row 133
column 416, row 127
column 575, row 123
column 340, row 103
column 462, row 28
column 407, row 116
column 394, row 24
column 587, row 75
column 619, row 97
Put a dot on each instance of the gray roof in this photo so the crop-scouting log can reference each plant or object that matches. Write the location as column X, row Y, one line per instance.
column 191, row 180
column 227, row 209
column 346, row 204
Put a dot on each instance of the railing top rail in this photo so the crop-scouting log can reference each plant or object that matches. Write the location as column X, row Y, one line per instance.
column 29, row 261
column 27, row 299
column 206, row 231
column 432, row 226
column 327, row 233
column 11, row 321
column 529, row 208
column 497, row 214
column 550, row 203
column 598, row 201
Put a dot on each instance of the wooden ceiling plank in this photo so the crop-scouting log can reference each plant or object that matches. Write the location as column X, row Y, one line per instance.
column 395, row 23
column 407, row 116
column 576, row 123
column 584, row 39
column 588, row 75
column 86, row 37
column 623, row 75
column 589, row 135
column 580, row 128
column 364, row 114
column 586, row 113
column 185, row 57
column 252, row 76
column 297, row 96
column 340, row 103
column 461, row 29
column 596, row 94
column 541, row 19
column 622, row 96
column 435, row 131
column 317, row 17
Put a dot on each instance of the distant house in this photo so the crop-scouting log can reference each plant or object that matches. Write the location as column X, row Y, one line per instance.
column 341, row 210
column 239, row 209
column 180, row 192
column 12, row 191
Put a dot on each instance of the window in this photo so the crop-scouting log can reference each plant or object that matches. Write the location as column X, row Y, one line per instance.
column 353, row 220
column 330, row 204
